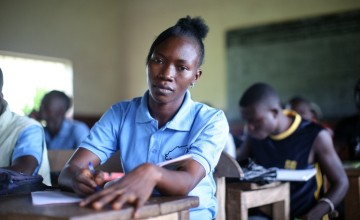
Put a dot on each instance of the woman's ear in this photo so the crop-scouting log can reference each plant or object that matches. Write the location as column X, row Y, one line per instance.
column 197, row 76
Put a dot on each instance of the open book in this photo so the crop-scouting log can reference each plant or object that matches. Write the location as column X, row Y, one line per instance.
column 175, row 162
column 295, row 175
column 169, row 164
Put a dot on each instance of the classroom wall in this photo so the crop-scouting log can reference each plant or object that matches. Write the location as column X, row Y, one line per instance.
column 87, row 32
column 108, row 40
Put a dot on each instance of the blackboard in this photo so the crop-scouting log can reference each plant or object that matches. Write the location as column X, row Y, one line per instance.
column 317, row 58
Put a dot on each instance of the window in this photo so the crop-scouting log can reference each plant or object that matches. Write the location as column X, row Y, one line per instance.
column 28, row 77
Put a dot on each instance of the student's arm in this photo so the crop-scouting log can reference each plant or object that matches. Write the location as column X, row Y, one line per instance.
column 24, row 164
column 76, row 176
column 136, row 187
column 28, row 149
column 331, row 167
column 243, row 151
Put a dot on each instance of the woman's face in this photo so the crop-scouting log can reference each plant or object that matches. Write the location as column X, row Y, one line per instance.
column 172, row 68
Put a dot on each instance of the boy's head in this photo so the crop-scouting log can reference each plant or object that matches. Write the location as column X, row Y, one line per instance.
column 260, row 108
column 302, row 107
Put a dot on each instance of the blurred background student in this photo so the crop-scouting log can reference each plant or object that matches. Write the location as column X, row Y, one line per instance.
column 61, row 133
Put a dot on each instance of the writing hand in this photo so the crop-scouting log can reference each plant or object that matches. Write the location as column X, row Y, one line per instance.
column 86, row 182
column 134, row 188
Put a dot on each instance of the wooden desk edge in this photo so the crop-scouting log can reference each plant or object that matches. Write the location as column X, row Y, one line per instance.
column 178, row 205
column 153, row 208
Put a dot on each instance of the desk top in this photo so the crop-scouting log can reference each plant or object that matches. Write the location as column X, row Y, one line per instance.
column 20, row 207
column 352, row 168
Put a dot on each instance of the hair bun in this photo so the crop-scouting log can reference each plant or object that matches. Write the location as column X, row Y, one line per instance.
column 196, row 25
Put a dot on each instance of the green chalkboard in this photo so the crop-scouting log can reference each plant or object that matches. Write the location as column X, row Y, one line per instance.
column 317, row 58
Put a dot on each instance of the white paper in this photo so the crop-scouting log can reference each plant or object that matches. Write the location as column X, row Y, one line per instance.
column 53, row 197
column 295, row 175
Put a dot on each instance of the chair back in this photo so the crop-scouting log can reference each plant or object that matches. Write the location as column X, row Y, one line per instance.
column 228, row 167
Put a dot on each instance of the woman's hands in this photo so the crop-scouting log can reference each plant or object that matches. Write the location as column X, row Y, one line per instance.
column 85, row 183
column 134, row 188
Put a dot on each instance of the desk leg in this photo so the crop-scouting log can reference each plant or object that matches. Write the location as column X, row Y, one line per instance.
column 181, row 215
column 235, row 209
column 184, row 215
column 220, row 197
column 244, row 209
column 281, row 209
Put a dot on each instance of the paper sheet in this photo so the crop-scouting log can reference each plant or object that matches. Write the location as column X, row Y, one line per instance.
column 53, row 197
column 295, row 175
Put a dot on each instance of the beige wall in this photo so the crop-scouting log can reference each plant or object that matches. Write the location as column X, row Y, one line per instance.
column 108, row 40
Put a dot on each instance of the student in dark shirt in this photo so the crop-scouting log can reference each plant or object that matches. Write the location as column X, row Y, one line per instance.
column 280, row 138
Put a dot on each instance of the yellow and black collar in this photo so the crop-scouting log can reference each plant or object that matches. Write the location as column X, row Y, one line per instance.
column 291, row 129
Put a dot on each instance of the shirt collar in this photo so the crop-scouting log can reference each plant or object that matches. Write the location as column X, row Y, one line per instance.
column 291, row 129
column 182, row 120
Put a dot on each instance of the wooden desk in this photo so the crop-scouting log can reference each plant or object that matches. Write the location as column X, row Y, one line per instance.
column 235, row 198
column 240, row 197
column 19, row 207
column 352, row 198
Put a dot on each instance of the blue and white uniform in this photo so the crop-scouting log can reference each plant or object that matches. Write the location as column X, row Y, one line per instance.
column 196, row 129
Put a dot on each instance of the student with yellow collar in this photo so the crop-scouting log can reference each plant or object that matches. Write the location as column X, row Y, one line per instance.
column 278, row 138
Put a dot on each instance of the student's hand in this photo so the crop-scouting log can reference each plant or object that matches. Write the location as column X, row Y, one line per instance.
column 134, row 188
column 85, row 183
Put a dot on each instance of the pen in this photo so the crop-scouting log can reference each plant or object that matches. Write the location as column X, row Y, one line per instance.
column 92, row 170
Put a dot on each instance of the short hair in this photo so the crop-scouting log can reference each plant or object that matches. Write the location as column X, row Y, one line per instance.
column 190, row 27
column 1, row 80
column 259, row 93
column 298, row 99
column 58, row 94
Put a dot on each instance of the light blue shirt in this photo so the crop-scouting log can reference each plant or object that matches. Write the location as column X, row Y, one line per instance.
column 69, row 136
column 196, row 128
column 30, row 142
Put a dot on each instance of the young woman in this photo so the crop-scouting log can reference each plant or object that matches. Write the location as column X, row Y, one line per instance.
column 162, row 124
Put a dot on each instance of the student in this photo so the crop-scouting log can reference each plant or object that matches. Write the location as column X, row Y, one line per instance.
column 22, row 142
column 60, row 133
column 347, row 132
column 164, row 123
column 308, row 111
column 302, row 107
column 278, row 138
